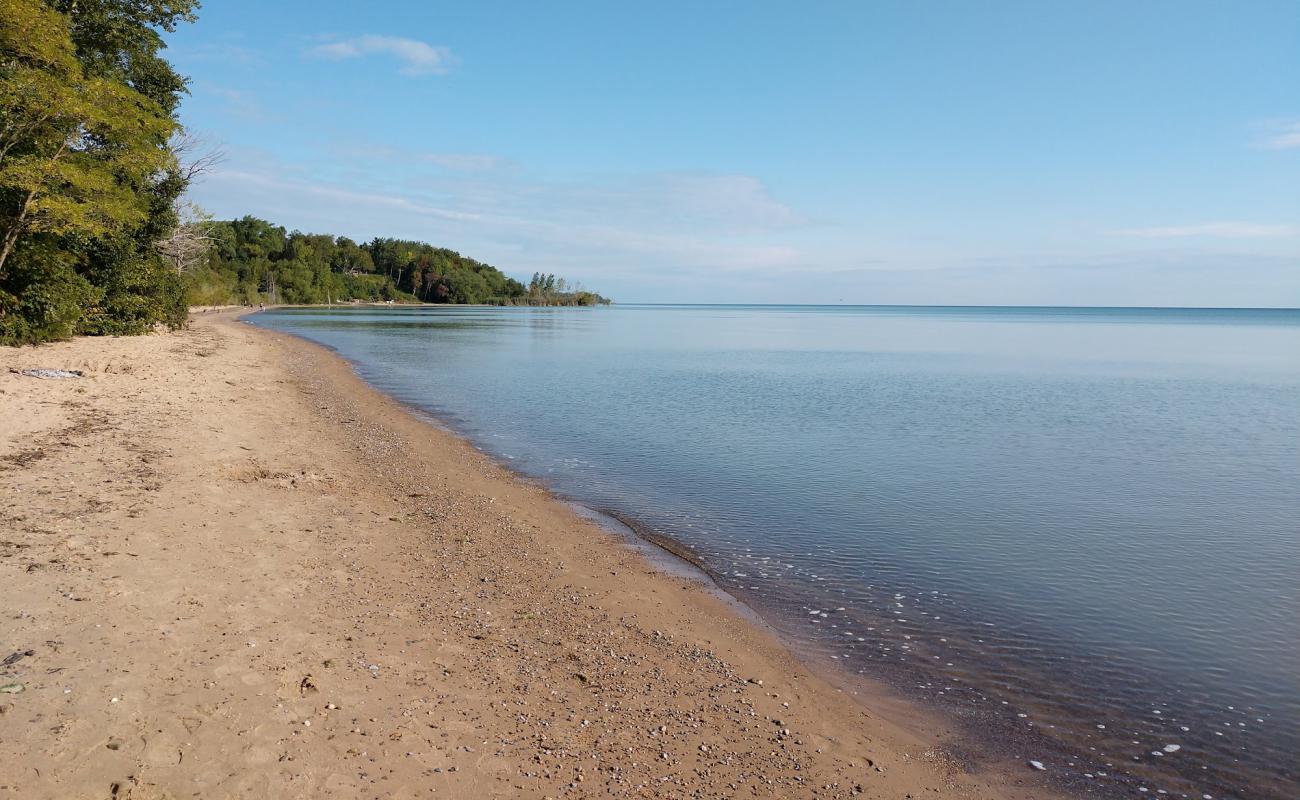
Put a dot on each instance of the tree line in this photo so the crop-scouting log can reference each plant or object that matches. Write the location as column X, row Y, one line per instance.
column 251, row 260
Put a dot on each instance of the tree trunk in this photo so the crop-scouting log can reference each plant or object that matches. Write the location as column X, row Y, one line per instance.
column 15, row 230
column 11, row 235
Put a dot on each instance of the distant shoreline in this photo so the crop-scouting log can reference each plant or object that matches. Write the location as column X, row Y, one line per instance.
column 1281, row 310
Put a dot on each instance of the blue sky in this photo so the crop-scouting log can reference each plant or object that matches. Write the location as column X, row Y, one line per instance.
column 1125, row 153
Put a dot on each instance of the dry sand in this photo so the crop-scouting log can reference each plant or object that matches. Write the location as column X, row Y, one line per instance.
column 228, row 568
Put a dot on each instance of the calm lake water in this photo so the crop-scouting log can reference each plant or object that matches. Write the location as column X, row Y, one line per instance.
column 1078, row 529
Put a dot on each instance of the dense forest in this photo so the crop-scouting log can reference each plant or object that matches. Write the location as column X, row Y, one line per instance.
column 250, row 260
column 90, row 167
column 95, row 236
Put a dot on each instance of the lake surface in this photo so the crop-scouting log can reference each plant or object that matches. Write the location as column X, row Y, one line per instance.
column 1078, row 529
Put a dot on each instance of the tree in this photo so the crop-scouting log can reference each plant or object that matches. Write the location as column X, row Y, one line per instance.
column 73, row 147
column 89, row 179
column 350, row 257
column 189, row 243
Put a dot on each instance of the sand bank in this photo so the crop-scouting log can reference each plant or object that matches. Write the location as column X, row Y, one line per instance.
column 231, row 569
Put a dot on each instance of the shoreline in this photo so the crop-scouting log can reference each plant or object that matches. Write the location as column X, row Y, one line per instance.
column 408, row 617
column 676, row 558
column 1001, row 725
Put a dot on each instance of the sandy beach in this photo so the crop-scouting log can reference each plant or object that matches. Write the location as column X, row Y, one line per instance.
column 231, row 569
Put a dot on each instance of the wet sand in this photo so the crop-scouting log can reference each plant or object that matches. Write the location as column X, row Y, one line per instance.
column 231, row 569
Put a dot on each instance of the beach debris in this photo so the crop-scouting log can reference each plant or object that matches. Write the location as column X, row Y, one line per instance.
column 1038, row 765
column 12, row 688
column 49, row 373
column 306, row 686
column 17, row 655
column 1173, row 748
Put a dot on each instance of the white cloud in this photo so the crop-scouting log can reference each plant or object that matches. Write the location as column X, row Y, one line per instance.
column 417, row 57
column 1280, row 136
column 1215, row 230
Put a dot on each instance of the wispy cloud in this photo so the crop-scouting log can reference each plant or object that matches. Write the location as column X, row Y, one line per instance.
column 1280, row 136
column 729, row 202
column 376, row 153
column 681, row 202
column 541, row 232
column 416, row 57
column 229, row 49
column 349, row 196
column 709, row 205
column 686, row 235
column 1215, row 230
column 462, row 162
column 237, row 102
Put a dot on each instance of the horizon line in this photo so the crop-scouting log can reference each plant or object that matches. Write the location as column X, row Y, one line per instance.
column 965, row 305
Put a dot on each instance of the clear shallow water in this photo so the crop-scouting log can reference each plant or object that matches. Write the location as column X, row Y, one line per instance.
column 1047, row 520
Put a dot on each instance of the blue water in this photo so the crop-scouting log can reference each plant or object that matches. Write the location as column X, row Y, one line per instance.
column 1045, row 520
